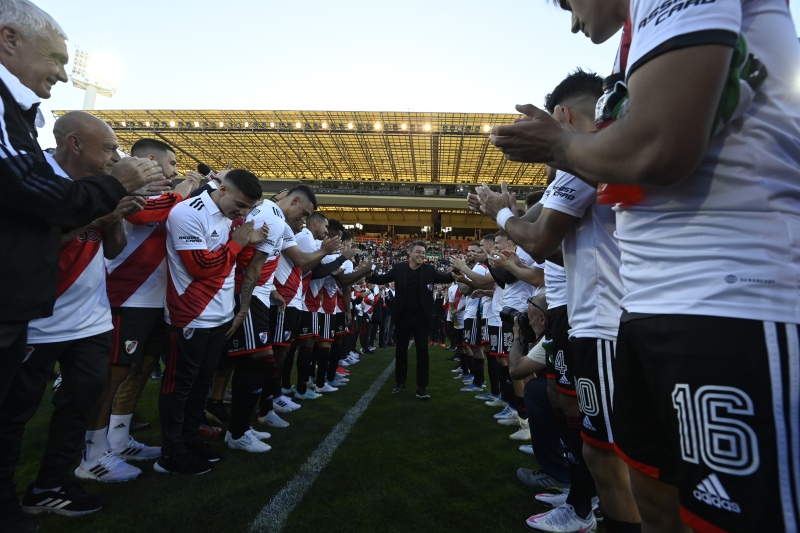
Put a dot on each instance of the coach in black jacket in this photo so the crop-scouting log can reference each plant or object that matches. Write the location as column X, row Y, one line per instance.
column 412, row 312
column 37, row 204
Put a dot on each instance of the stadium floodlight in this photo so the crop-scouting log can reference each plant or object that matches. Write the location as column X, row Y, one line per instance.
column 426, row 229
column 359, row 226
column 95, row 74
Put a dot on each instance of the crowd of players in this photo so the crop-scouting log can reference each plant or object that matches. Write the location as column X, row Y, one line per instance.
column 666, row 327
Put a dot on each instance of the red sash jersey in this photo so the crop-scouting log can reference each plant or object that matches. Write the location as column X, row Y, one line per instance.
column 201, row 260
column 289, row 282
column 81, row 309
column 138, row 276
column 280, row 238
column 332, row 289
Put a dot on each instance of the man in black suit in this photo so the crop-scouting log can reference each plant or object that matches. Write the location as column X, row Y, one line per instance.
column 412, row 312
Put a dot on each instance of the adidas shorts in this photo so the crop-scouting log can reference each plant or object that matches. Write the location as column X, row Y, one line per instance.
column 138, row 332
column 253, row 335
column 340, row 324
column 711, row 405
column 458, row 337
column 559, row 365
column 283, row 325
column 485, row 331
column 594, row 383
column 472, row 333
column 500, row 340
column 309, row 325
column 326, row 332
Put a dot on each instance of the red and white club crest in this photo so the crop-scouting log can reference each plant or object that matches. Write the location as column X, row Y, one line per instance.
column 130, row 346
column 263, row 337
column 187, row 333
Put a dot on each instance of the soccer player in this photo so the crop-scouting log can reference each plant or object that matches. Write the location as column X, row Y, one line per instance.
column 201, row 254
column 136, row 287
column 266, row 331
column 709, row 248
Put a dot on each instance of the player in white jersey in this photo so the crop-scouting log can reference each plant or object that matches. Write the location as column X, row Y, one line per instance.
column 723, row 180
column 572, row 218
column 263, row 321
column 476, row 275
column 77, row 335
column 199, row 308
column 326, row 302
column 136, row 285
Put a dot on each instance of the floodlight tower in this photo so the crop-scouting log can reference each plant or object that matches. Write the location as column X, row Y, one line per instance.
column 92, row 74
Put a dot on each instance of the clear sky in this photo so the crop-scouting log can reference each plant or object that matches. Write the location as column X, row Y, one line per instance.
column 355, row 55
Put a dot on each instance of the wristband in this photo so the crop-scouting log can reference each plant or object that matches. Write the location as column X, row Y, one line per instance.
column 503, row 216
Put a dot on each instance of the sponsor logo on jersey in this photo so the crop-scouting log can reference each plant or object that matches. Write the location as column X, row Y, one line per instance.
column 190, row 239
column 235, row 343
column 214, row 234
column 187, row 333
column 711, row 492
column 263, row 337
column 130, row 346
column 91, row 235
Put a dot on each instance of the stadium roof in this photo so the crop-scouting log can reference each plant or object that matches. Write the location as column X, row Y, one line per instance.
column 400, row 147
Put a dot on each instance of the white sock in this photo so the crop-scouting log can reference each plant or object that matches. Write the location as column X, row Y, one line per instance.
column 119, row 431
column 96, row 444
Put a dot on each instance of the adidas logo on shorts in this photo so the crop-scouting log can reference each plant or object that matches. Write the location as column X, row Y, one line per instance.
column 710, row 491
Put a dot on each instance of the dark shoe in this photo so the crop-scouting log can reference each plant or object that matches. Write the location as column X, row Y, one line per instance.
column 69, row 500
column 184, row 463
column 422, row 394
column 215, row 411
column 203, row 450
column 140, row 426
column 400, row 387
column 18, row 522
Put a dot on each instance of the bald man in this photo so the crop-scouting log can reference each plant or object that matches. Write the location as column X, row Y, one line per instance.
column 77, row 335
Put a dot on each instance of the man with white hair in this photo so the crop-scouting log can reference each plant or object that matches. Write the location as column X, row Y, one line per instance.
column 37, row 204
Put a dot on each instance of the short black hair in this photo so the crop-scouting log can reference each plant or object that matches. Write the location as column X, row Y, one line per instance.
column 474, row 244
column 578, row 85
column 144, row 147
column 335, row 225
column 346, row 235
column 315, row 215
column 488, row 237
column 501, row 233
column 244, row 181
column 415, row 244
column 306, row 191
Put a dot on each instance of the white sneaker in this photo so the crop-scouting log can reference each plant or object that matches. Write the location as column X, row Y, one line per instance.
column 512, row 420
column 284, row 404
column 353, row 354
column 108, row 469
column 507, row 412
column 260, row 435
column 247, row 443
column 527, row 448
column 336, row 383
column 351, row 360
column 344, row 363
column 562, row 519
column 326, row 388
column 497, row 402
column 560, row 498
column 273, row 420
column 136, row 451
column 522, row 434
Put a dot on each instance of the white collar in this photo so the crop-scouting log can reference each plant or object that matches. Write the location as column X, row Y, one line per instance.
column 24, row 97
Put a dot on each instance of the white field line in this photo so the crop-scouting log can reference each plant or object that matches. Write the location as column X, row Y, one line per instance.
column 273, row 516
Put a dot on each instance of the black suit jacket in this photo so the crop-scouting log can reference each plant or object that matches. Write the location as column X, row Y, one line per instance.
column 428, row 276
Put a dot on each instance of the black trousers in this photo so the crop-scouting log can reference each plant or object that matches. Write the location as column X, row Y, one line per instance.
column 192, row 357
column 404, row 332
column 13, row 338
column 547, row 446
column 84, row 371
